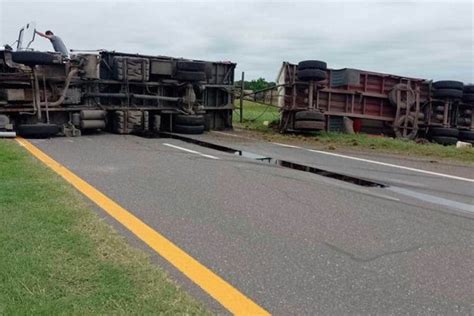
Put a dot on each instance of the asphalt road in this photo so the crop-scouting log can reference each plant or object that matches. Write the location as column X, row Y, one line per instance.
column 295, row 242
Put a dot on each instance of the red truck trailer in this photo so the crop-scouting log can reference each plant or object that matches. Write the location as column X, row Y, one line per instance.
column 312, row 96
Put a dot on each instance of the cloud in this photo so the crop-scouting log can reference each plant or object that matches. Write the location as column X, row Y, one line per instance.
column 423, row 39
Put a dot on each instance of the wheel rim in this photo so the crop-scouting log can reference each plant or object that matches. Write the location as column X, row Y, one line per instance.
column 406, row 129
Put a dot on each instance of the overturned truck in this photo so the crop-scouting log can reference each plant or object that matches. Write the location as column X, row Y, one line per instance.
column 313, row 97
column 46, row 94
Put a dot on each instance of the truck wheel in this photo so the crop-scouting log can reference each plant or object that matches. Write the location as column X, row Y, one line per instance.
column 442, row 131
column 191, row 120
column 36, row 58
column 408, row 132
column 466, row 135
column 407, row 99
column 185, row 129
column 191, row 66
column 310, row 125
column 309, row 116
column 39, row 130
column 448, row 93
column 311, row 74
column 312, row 64
column 190, row 75
column 448, row 84
column 444, row 140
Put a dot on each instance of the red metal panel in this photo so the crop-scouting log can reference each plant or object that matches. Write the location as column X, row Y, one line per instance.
column 368, row 98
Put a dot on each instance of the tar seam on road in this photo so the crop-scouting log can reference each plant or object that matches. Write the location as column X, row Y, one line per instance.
column 378, row 163
column 191, row 151
column 231, row 298
column 278, row 162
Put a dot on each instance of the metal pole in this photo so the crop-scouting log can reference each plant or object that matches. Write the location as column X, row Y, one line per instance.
column 46, row 99
column 242, row 86
column 37, row 94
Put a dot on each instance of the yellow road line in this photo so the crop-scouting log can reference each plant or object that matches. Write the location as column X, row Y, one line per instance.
column 231, row 298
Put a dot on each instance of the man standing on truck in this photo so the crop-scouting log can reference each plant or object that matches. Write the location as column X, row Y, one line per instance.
column 57, row 42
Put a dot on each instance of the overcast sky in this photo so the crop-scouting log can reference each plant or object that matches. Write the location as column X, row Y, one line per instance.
column 424, row 39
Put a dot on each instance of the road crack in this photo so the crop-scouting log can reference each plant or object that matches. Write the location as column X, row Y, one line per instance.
column 381, row 255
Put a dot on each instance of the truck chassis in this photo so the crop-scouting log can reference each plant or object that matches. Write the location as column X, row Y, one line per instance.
column 45, row 94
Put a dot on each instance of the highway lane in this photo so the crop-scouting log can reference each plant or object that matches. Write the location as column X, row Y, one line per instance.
column 430, row 186
column 294, row 242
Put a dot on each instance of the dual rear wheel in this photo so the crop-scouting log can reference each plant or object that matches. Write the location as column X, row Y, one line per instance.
column 189, row 124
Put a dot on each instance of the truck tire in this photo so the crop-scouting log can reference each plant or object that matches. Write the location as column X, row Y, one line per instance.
column 442, row 131
column 448, row 84
column 309, row 116
column 311, row 74
column 409, row 97
column 469, row 88
column 39, row 130
column 466, row 135
column 191, row 66
column 190, row 75
column 312, row 64
column 190, row 120
column 35, row 58
column 310, row 125
column 186, row 129
column 448, row 93
column 445, row 140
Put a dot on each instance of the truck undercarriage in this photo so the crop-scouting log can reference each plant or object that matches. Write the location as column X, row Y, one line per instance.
column 45, row 94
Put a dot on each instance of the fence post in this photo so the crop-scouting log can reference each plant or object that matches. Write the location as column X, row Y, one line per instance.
column 242, row 86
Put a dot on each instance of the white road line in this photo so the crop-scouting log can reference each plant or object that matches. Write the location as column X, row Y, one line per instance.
column 289, row 146
column 394, row 166
column 191, row 151
column 434, row 199
column 380, row 163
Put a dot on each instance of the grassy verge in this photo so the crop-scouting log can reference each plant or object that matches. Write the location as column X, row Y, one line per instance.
column 254, row 121
column 58, row 257
column 256, row 116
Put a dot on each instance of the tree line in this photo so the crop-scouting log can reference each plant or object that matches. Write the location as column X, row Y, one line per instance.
column 256, row 84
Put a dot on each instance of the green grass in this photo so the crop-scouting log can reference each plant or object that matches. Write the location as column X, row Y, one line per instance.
column 58, row 257
column 333, row 141
column 256, row 116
